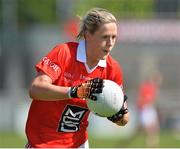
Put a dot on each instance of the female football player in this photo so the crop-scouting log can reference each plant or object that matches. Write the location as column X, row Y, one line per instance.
column 66, row 76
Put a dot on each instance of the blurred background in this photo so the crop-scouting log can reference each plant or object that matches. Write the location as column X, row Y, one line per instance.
column 148, row 44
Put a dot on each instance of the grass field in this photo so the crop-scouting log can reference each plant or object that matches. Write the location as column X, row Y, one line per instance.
column 167, row 140
column 11, row 140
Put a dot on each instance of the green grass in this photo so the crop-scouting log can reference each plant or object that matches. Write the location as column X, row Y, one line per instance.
column 167, row 140
column 12, row 140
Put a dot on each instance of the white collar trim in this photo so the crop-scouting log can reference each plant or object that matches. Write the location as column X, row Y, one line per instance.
column 81, row 54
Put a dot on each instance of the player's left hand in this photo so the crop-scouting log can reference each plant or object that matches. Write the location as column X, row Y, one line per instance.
column 121, row 118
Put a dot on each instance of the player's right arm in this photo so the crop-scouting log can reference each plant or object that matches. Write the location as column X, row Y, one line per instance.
column 42, row 88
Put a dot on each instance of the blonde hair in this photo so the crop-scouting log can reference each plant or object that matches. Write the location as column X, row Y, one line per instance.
column 94, row 19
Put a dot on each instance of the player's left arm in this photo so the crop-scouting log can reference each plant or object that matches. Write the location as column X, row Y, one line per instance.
column 122, row 117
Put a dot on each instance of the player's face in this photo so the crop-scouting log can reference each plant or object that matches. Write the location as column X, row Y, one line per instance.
column 103, row 40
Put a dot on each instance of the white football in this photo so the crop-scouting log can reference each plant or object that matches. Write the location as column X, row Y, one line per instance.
column 109, row 102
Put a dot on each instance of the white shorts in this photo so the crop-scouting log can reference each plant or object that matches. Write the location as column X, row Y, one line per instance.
column 148, row 115
column 85, row 145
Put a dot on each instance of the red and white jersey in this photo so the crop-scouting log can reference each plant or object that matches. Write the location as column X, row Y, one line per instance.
column 63, row 123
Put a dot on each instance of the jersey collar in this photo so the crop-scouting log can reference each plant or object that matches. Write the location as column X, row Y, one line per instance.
column 81, row 54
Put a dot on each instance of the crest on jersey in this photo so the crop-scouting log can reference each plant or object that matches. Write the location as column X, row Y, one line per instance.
column 71, row 118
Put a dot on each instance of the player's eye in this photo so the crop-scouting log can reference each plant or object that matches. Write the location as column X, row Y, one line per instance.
column 113, row 37
column 105, row 37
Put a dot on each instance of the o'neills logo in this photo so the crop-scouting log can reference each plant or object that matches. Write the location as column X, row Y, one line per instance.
column 48, row 62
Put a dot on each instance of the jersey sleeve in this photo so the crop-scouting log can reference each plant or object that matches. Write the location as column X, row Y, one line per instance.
column 118, row 76
column 115, row 74
column 50, row 64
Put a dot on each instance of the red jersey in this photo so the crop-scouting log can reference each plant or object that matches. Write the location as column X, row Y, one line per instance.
column 147, row 94
column 63, row 123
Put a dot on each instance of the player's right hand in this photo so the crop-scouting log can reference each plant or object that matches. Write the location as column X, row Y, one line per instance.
column 86, row 89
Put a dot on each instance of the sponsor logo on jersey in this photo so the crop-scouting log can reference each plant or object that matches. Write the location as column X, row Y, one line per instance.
column 71, row 118
column 48, row 62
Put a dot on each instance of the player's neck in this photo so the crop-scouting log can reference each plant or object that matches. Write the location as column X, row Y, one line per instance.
column 91, row 65
column 91, row 60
